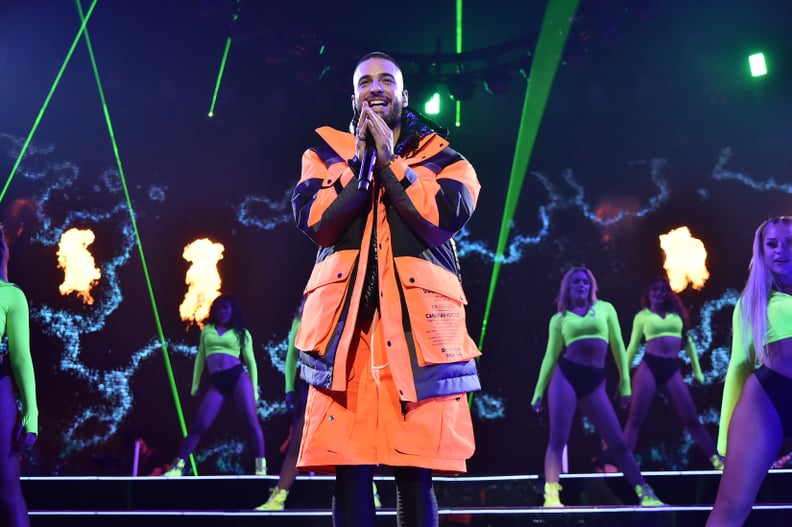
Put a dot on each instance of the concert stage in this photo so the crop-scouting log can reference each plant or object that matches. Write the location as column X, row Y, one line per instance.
column 492, row 501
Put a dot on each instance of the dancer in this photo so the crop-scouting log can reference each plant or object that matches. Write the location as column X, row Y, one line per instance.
column 580, row 334
column 296, row 397
column 387, row 354
column 225, row 345
column 16, row 367
column 755, row 413
column 663, row 323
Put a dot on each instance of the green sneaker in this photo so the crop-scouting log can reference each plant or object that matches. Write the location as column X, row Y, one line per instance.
column 177, row 468
column 377, row 501
column 276, row 501
column 647, row 496
column 551, row 497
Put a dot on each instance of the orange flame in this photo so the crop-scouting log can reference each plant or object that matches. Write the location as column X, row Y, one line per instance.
column 202, row 278
column 685, row 259
column 80, row 271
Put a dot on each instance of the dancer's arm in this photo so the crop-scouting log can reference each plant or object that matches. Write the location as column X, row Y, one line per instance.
column 18, row 331
column 690, row 348
column 555, row 345
column 741, row 365
column 249, row 360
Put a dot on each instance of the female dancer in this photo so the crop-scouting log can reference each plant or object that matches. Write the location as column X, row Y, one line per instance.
column 756, row 414
column 17, row 363
column 580, row 334
column 663, row 323
column 225, row 345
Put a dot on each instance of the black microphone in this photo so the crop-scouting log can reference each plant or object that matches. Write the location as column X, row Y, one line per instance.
column 367, row 165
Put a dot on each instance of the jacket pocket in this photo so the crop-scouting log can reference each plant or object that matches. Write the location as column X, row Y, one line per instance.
column 439, row 427
column 436, row 305
column 325, row 293
column 327, row 422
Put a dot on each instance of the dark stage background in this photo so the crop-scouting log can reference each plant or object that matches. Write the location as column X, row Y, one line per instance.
column 653, row 123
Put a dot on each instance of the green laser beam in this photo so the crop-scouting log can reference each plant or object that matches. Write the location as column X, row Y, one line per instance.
column 220, row 76
column 117, row 155
column 47, row 100
column 547, row 56
column 458, row 103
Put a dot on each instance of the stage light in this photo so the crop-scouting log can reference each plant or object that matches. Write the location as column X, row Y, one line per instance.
column 432, row 105
column 757, row 64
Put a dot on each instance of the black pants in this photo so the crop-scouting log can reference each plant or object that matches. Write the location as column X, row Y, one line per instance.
column 353, row 498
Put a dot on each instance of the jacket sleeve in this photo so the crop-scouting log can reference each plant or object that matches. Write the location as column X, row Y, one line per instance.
column 249, row 359
column 435, row 205
column 18, row 331
column 635, row 337
column 290, row 369
column 619, row 354
column 555, row 345
column 690, row 349
column 326, row 199
column 741, row 365
column 200, row 361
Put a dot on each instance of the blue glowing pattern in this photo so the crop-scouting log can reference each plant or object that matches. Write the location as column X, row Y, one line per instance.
column 263, row 213
column 557, row 202
column 488, row 407
column 225, row 456
column 720, row 173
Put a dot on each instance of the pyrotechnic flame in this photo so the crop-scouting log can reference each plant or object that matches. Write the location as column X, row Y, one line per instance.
column 685, row 259
column 80, row 271
column 202, row 278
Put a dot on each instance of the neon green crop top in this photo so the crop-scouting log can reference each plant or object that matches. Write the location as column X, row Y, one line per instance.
column 228, row 343
column 648, row 325
column 600, row 322
column 743, row 354
column 15, row 323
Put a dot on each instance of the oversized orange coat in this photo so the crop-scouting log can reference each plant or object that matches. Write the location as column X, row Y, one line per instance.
column 418, row 203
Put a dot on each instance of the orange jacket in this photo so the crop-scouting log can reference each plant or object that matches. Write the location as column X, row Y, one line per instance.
column 418, row 202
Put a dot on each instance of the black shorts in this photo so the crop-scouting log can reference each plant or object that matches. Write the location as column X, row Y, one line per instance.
column 584, row 379
column 662, row 368
column 779, row 389
column 225, row 381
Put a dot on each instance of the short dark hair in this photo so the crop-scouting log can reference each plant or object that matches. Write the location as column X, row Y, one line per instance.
column 378, row 55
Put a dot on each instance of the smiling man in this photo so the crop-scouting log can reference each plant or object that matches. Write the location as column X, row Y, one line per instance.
column 383, row 340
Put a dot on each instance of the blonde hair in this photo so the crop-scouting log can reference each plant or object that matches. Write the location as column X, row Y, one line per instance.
column 756, row 293
column 564, row 300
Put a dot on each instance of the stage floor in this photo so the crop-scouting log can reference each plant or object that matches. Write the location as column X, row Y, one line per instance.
column 494, row 501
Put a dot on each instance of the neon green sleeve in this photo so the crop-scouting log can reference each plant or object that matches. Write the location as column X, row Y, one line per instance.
column 635, row 337
column 18, row 331
column 741, row 365
column 690, row 348
column 249, row 359
column 290, row 369
column 200, row 361
column 619, row 353
column 555, row 345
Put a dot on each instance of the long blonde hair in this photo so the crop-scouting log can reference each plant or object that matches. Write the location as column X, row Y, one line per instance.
column 756, row 293
column 564, row 300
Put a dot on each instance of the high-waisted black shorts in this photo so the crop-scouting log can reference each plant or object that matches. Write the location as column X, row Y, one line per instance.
column 779, row 388
column 662, row 368
column 584, row 379
column 224, row 381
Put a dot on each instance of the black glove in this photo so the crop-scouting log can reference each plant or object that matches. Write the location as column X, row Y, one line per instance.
column 290, row 401
column 23, row 441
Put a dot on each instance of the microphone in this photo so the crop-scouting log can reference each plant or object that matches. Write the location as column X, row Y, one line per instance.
column 367, row 165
